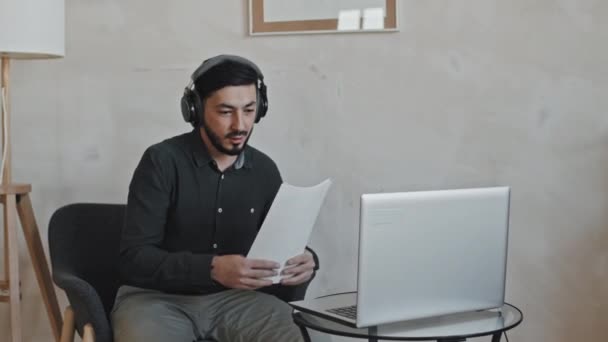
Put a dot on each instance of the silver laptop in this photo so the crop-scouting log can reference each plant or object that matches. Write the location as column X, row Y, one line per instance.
column 424, row 254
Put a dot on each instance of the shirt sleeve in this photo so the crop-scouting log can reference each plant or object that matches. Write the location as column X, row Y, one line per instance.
column 143, row 261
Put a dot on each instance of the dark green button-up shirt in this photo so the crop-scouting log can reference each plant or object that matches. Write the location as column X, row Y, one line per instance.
column 182, row 211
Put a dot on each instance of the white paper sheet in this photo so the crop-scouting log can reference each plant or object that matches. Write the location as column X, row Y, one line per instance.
column 288, row 225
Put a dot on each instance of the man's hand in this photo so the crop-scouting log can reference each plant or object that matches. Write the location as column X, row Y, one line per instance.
column 238, row 272
column 299, row 269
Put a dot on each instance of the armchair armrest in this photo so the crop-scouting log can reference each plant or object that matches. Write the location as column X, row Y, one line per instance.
column 86, row 304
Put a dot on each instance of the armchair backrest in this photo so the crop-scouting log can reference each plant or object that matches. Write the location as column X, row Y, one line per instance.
column 84, row 241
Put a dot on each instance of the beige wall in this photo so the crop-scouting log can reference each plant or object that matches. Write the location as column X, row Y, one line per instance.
column 468, row 93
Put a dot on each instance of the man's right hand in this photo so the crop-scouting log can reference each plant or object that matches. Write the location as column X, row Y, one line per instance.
column 237, row 272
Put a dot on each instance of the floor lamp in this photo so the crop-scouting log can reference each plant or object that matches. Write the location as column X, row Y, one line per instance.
column 29, row 29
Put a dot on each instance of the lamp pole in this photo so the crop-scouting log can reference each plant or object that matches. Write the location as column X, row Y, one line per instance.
column 6, row 162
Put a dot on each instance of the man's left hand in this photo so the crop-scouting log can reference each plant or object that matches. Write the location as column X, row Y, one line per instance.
column 299, row 269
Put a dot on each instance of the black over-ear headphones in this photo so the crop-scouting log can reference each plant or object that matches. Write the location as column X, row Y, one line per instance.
column 192, row 104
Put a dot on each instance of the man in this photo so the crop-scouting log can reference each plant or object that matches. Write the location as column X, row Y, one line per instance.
column 195, row 205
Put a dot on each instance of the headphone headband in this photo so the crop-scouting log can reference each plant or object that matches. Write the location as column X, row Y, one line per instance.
column 212, row 62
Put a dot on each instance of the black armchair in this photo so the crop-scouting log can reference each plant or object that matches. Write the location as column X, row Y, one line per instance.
column 84, row 242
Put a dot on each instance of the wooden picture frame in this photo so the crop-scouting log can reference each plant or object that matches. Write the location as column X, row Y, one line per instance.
column 268, row 17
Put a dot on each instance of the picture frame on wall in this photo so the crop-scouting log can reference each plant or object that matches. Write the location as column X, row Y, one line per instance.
column 267, row 17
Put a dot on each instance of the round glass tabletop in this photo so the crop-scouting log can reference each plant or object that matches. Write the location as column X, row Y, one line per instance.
column 448, row 327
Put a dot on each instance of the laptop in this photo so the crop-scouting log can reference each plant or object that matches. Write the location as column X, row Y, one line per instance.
column 424, row 254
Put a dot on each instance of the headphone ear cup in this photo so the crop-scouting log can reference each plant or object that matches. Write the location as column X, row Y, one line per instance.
column 191, row 107
column 186, row 105
column 197, row 109
column 262, row 103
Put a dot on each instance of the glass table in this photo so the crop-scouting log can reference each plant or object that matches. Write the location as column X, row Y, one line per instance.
column 448, row 328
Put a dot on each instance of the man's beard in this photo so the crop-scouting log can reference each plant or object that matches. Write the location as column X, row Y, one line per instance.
column 216, row 141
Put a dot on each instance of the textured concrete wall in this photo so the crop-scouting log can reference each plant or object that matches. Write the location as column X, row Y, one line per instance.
column 468, row 93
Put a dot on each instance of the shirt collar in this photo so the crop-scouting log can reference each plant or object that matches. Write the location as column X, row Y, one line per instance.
column 201, row 155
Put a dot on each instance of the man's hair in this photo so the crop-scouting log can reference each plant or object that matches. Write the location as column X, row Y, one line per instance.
column 228, row 73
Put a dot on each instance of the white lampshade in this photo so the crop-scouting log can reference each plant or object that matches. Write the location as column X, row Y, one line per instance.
column 32, row 28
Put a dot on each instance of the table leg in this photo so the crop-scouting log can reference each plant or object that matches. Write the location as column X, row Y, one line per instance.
column 496, row 337
column 373, row 333
column 304, row 332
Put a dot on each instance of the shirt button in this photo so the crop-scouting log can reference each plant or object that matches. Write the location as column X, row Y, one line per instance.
column 222, row 177
column 252, row 210
column 215, row 245
column 219, row 210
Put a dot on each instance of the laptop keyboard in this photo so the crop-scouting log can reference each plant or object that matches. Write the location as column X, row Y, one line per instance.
column 347, row 311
